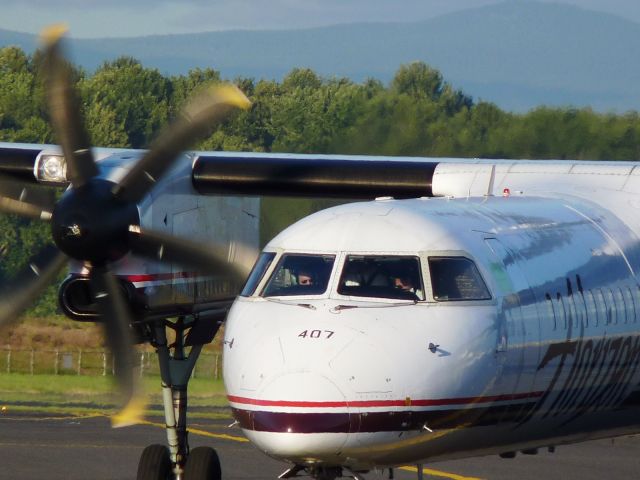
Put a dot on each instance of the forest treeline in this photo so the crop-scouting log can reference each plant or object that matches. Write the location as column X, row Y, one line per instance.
column 417, row 113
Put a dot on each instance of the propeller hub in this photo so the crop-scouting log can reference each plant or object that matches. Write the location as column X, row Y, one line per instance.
column 90, row 224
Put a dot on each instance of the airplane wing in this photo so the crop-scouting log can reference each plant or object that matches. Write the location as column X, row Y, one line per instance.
column 340, row 176
column 41, row 163
column 251, row 174
column 369, row 177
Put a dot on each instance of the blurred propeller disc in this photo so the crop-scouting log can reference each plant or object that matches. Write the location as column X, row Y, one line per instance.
column 29, row 284
column 35, row 194
column 96, row 221
column 117, row 319
column 198, row 117
column 64, row 108
column 24, row 209
column 158, row 246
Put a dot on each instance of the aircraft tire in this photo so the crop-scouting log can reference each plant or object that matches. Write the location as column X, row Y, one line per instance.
column 202, row 464
column 154, row 463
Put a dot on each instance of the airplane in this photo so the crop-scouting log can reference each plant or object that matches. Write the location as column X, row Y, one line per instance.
column 461, row 307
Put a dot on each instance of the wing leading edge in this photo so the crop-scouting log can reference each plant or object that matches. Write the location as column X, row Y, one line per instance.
column 350, row 176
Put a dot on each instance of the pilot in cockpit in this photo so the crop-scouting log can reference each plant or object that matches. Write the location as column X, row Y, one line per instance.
column 406, row 283
column 305, row 277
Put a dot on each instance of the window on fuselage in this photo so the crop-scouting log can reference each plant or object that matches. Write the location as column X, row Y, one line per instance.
column 455, row 279
column 300, row 274
column 257, row 272
column 382, row 276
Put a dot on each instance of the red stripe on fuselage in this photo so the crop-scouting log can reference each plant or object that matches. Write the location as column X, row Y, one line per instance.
column 150, row 277
column 383, row 403
column 159, row 276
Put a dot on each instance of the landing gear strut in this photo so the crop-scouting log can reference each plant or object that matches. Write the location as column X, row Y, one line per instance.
column 177, row 462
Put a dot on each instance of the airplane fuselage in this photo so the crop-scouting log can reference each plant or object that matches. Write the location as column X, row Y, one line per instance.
column 501, row 316
column 539, row 347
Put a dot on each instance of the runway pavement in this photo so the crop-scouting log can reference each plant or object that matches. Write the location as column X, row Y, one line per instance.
column 76, row 448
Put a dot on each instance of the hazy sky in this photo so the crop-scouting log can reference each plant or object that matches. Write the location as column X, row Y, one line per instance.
column 117, row 18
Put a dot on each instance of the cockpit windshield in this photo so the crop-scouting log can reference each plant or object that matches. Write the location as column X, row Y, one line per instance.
column 300, row 274
column 382, row 276
column 456, row 279
column 259, row 269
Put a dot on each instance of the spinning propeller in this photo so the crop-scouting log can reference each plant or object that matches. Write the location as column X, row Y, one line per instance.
column 96, row 221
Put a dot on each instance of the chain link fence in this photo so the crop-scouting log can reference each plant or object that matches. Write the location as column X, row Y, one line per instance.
column 92, row 362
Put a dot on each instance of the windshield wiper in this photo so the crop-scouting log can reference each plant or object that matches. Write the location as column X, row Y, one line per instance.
column 339, row 308
column 293, row 304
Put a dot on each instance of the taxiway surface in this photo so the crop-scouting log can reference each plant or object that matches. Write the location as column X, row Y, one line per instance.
column 64, row 448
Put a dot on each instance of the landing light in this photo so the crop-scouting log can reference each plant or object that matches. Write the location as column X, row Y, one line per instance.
column 51, row 168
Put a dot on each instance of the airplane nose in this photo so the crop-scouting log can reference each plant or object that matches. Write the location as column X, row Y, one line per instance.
column 300, row 417
column 309, row 397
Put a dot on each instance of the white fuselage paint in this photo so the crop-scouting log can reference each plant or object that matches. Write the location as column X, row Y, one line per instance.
column 551, row 358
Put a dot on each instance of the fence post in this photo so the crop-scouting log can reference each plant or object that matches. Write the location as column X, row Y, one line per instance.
column 56, row 362
column 32, row 360
column 216, row 373
column 9, row 360
column 104, row 364
column 79, row 361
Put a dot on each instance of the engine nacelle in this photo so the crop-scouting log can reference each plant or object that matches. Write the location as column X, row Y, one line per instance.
column 150, row 296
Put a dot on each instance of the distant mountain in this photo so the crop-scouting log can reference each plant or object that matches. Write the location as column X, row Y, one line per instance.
column 516, row 54
column 25, row 41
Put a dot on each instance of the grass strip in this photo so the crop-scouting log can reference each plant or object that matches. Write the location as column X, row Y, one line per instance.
column 83, row 394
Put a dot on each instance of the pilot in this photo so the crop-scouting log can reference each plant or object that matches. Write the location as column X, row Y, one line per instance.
column 305, row 278
column 407, row 283
column 404, row 282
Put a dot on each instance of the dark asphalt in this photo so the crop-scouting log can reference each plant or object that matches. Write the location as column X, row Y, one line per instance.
column 37, row 448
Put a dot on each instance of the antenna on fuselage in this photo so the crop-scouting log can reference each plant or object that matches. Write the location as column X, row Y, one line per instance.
column 492, row 179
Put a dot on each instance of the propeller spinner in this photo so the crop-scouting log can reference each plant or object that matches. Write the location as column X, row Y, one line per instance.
column 96, row 221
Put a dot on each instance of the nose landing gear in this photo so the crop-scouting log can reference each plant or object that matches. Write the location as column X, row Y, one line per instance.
column 202, row 464
column 177, row 461
column 154, row 463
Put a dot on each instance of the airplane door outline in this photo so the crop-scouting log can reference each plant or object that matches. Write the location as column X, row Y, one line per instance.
column 509, row 280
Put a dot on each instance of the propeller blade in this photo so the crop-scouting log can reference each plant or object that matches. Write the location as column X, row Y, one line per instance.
column 27, row 286
column 34, row 194
column 202, row 113
column 24, row 209
column 64, row 108
column 212, row 258
column 117, row 319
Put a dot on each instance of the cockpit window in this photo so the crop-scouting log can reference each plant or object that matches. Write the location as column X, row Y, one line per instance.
column 258, row 270
column 382, row 276
column 456, row 278
column 298, row 274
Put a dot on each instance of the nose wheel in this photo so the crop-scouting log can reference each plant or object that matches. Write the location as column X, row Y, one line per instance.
column 177, row 461
column 154, row 463
column 202, row 464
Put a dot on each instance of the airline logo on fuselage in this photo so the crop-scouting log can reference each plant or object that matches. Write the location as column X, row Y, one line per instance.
column 593, row 374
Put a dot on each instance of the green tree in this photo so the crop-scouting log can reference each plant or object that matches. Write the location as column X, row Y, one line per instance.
column 183, row 87
column 418, row 80
column 22, row 104
column 126, row 104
